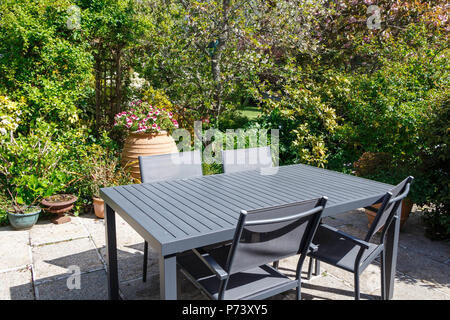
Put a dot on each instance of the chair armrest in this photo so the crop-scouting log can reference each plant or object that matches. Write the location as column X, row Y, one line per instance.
column 356, row 241
column 313, row 248
column 211, row 264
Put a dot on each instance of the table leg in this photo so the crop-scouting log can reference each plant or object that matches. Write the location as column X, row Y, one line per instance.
column 111, row 253
column 168, row 277
column 391, row 249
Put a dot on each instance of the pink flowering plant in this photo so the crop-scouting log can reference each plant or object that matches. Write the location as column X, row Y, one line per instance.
column 144, row 118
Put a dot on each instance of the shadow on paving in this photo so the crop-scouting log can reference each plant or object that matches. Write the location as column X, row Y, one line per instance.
column 421, row 260
column 93, row 282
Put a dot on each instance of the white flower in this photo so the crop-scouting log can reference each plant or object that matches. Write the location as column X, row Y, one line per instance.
column 3, row 131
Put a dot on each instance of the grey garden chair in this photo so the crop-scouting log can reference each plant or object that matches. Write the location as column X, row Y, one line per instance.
column 167, row 167
column 240, row 270
column 246, row 159
column 352, row 254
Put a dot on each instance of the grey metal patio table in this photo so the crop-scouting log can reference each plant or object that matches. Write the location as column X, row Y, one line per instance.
column 179, row 215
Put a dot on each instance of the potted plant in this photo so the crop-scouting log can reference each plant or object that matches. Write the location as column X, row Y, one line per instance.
column 380, row 166
column 59, row 204
column 22, row 216
column 148, row 129
column 104, row 172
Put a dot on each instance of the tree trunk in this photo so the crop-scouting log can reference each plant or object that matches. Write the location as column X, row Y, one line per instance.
column 98, row 90
column 217, row 56
column 118, row 89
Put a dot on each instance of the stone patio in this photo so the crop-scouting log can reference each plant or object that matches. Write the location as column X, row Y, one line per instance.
column 37, row 264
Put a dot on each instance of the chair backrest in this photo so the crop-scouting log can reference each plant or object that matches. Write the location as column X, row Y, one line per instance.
column 170, row 166
column 270, row 234
column 389, row 206
column 246, row 159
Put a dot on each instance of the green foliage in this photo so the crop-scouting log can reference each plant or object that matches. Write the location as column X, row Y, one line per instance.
column 9, row 117
column 341, row 94
column 210, row 56
column 435, row 156
column 156, row 98
column 42, row 61
column 29, row 166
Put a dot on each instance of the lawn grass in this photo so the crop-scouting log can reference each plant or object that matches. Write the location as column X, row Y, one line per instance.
column 251, row 112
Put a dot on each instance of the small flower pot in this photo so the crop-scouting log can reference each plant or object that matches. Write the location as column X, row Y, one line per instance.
column 59, row 204
column 99, row 207
column 407, row 205
column 23, row 221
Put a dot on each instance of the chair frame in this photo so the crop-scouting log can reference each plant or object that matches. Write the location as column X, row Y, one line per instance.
column 142, row 160
column 223, row 273
column 245, row 166
column 364, row 244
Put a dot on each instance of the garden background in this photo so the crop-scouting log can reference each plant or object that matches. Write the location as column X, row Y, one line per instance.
column 352, row 87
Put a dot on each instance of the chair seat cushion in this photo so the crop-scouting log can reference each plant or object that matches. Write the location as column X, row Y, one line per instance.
column 256, row 283
column 334, row 249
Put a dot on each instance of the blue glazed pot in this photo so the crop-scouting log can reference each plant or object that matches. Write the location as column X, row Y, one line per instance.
column 24, row 221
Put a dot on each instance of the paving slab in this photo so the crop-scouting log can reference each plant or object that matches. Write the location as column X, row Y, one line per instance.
column 424, row 269
column 356, row 218
column 138, row 290
column 14, row 248
column 16, row 285
column 412, row 239
column 93, row 286
column 95, row 228
column 130, row 259
column 328, row 287
column 369, row 280
column 46, row 232
column 53, row 260
column 406, row 288
column 125, row 234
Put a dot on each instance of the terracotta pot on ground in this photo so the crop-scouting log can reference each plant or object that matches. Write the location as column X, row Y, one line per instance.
column 407, row 205
column 145, row 144
column 59, row 204
column 99, row 207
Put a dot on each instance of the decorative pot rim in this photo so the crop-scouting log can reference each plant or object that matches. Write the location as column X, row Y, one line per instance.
column 60, row 203
column 97, row 199
column 37, row 208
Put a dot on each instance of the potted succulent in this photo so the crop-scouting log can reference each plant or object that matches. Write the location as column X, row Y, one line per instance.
column 379, row 166
column 104, row 172
column 148, row 129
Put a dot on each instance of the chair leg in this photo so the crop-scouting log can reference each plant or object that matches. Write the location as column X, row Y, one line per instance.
column 310, row 266
column 299, row 289
column 276, row 264
column 357, row 286
column 317, row 271
column 383, row 277
column 144, row 271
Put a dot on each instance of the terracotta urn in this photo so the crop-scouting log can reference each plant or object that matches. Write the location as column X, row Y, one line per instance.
column 59, row 204
column 99, row 207
column 145, row 144
column 407, row 205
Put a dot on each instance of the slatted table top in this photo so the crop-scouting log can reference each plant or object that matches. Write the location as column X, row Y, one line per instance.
column 178, row 215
